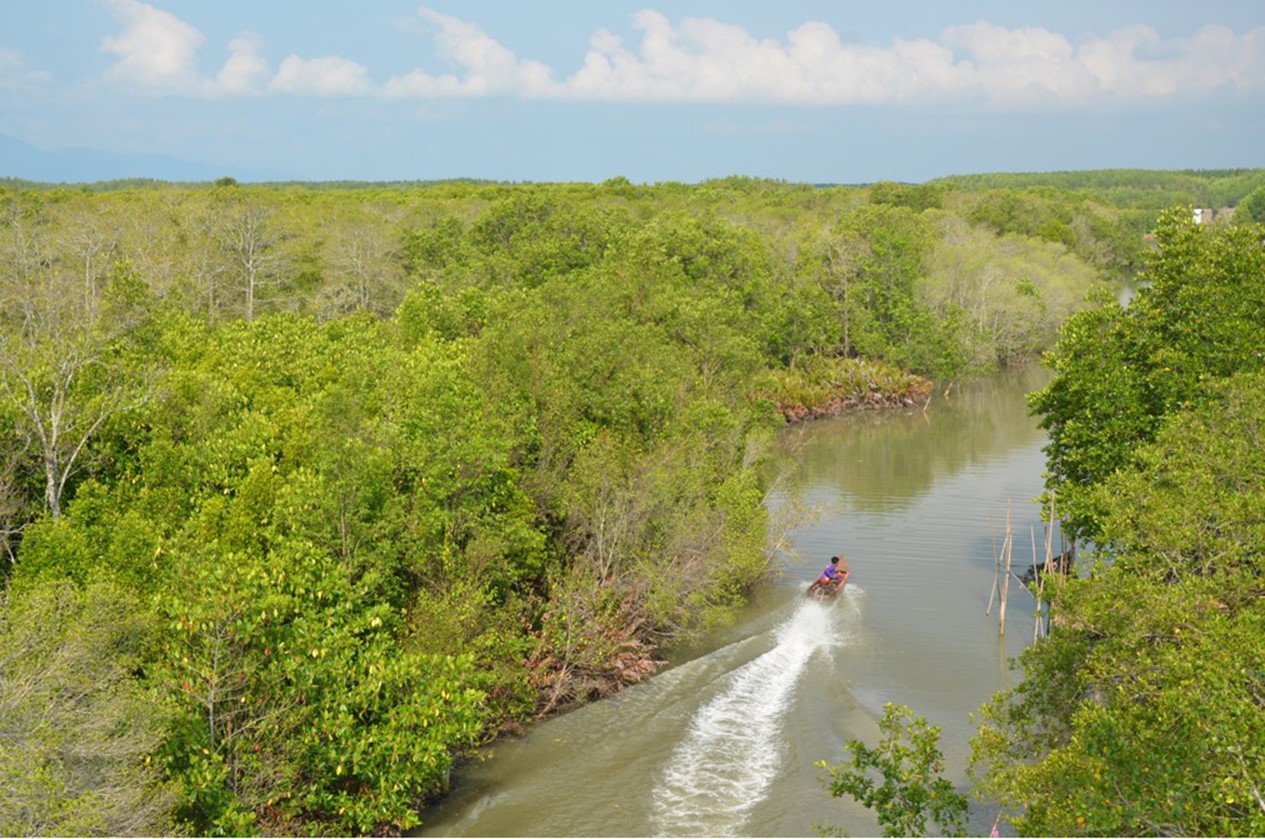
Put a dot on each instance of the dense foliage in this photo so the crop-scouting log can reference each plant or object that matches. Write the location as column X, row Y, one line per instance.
column 368, row 475
column 1143, row 713
column 77, row 731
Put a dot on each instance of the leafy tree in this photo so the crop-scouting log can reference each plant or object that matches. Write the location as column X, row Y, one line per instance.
column 1141, row 712
column 875, row 268
column 900, row 778
column 530, row 237
column 247, row 235
column 64, row 372
column 433, row 248
column 77, row 726
column 1110, row 241
column 466, row 513
column 279, row 571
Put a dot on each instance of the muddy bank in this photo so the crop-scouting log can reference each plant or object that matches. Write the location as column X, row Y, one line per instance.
column 915, row 394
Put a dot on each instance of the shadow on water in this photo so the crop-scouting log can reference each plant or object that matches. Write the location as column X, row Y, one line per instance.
column 724, row 741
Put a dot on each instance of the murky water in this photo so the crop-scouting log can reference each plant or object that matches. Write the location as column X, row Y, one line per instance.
column 724, row 742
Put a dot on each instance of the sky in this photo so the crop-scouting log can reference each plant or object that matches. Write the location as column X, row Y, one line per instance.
column 654, row 90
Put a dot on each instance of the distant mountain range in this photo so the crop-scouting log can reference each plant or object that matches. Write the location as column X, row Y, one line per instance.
column 84, row 165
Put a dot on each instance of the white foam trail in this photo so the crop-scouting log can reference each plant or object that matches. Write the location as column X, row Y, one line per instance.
column 729, row 755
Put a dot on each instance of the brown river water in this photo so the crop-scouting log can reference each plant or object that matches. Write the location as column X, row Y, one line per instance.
column 723, row 741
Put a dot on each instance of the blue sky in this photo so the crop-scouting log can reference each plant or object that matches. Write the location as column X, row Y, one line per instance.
column 565, row 90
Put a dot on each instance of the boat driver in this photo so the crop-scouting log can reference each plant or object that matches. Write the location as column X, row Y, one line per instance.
column 836, row 574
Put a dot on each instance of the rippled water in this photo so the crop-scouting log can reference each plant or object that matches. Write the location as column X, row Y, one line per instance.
column 724, row 742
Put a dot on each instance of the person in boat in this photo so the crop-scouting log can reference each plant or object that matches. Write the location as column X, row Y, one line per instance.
column 835, row 576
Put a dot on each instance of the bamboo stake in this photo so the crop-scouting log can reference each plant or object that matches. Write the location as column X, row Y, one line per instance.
column 1044, row 625
column 996, row 575
column 1049, row 537
column 1005, row 581
column 1040, row 581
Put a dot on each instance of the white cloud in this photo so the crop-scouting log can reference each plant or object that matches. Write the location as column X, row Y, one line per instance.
column 707, row 60
column 156, row 49
column 328, row 76
column 1014, row 66
column 490, row 68
column 1216, row 56
column 703, row 60
column 245, row 71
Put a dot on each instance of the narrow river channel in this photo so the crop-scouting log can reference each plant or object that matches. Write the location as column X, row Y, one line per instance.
column 724, row 741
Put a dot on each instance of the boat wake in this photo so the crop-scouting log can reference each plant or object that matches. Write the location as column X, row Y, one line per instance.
column 731, row 751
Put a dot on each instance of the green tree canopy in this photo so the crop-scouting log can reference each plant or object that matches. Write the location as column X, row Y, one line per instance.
column 1121, row 373
column 900, row 778
column 1141, row 714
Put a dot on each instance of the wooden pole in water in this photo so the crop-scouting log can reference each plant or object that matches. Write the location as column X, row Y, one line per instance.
column 1005, row 580
column 1065, row 562
column 1049, row 538
column 996, row 575
column 1039, row 580
column 1043, row 621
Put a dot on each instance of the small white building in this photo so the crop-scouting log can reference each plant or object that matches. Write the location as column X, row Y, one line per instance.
column 1203, row 215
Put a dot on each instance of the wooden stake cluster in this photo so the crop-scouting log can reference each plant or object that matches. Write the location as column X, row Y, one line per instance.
column 1001, row 580
column 1001, row 576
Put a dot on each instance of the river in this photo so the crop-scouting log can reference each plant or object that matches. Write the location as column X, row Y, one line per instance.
column 723, row 742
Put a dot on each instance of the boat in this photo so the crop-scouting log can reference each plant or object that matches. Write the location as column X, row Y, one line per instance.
column 826, row 591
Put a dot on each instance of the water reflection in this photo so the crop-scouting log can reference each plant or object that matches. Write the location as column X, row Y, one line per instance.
column 886, row 460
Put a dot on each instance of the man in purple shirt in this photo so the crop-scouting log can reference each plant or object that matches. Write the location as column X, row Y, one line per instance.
column 836, row 574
